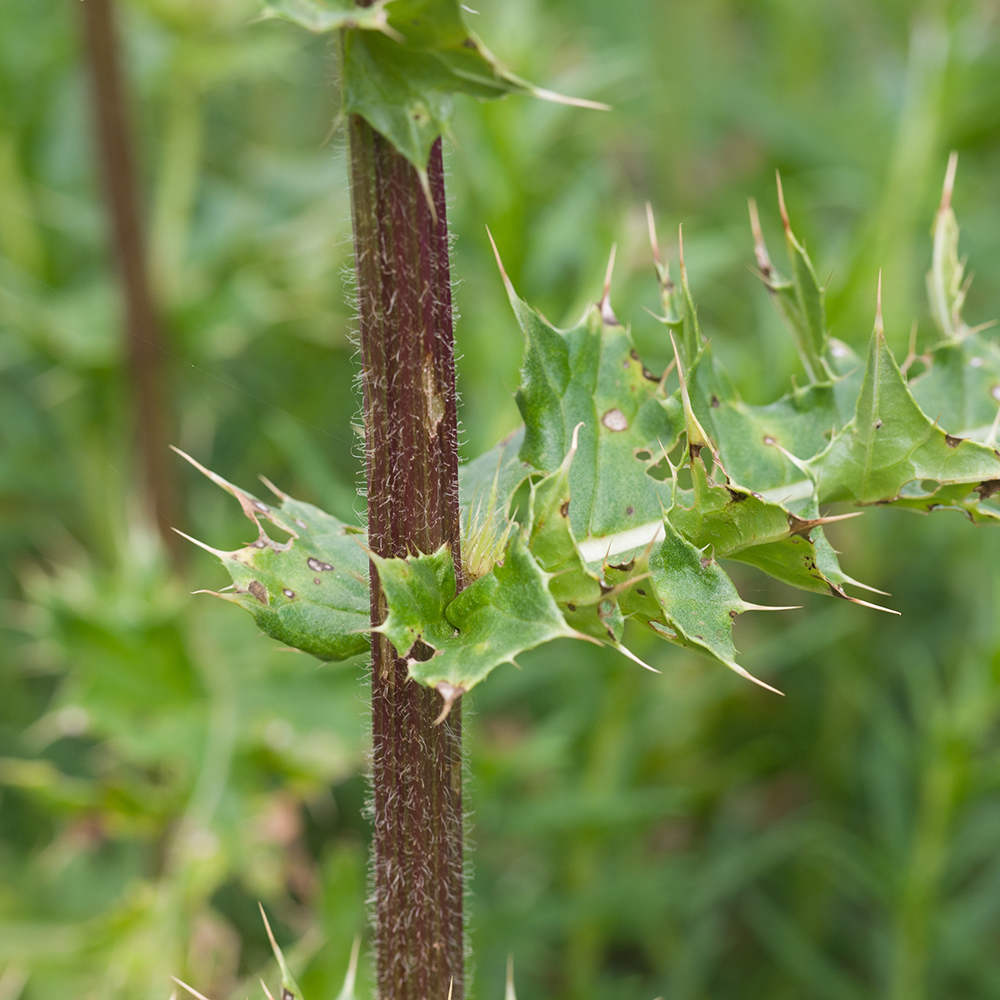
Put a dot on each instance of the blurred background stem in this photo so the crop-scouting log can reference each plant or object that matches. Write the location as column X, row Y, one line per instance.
column 143, row 335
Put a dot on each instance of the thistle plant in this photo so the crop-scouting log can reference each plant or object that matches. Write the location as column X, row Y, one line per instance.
column 621, row 496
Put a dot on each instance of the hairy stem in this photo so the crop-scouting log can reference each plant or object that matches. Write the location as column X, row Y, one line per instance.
column 411, row 446
column 143, row 336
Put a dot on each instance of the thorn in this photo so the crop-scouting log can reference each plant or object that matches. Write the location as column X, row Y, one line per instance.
column 864, row 586
column 770, row 607
column 283, row 497
column 450, row 694
column 799, row 464
column 503, row 274
column 425, row 186
column 879, row 326
column 839, row 592
column 232, row 598
column 190, row 989
column 267, row 992
column 653, row 242
column 574, row 634
column 781, row 204
column 218, row 553
column 802, row 526
column 451, row 986
column 949, row 181
column 245, row 500
column 574, row 102
column 750, row 677
column 911, row 353
column 607, row 313
column 759, row 248
column 624, row 650
column 508, row 993
column 574, row 444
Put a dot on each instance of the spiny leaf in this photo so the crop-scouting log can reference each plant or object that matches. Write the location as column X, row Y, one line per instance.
column 578, row 591
column 321, row 16
column 891, row 442
column 402, row 62
column 687, row 599
column 736, row 523
column 592, row 374
column 310, row 592
column 492, row 620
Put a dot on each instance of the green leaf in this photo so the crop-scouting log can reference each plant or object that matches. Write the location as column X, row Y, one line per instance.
column 735, row 523
column 402, row 63
column 687, row 598
column 321, row 16
column 583, row 600
column 417, row 592
column 492, row 620
column 891, row 442
column 592, row 375
column 310, row 592
column 501, row 465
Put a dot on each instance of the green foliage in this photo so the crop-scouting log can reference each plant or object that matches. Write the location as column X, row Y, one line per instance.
column 402, row 61
column 680, row 835
column 598, row 426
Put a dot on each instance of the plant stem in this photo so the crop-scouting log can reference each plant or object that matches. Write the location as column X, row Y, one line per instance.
column 143, row 337
column 411, row 448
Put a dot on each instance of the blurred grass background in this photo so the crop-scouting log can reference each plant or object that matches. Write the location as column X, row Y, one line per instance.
column 163, row 767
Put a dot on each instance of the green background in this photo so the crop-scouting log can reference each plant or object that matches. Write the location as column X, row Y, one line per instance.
column 163, row 767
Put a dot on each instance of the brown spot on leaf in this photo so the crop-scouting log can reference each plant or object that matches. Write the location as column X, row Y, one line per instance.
column 647, row 374
column 952, row 441
column 630, row 511
column 737, row 496
column 316, row 580
column 625, row 567
column 733, row 614
column 877, row 425
column 715, row 402
column 564, row 508
column 259, row 591
column 640, row 592
column 988, row 488
column 288, row 593
column 615, row 420
column 317, row 566
column 571, row 607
